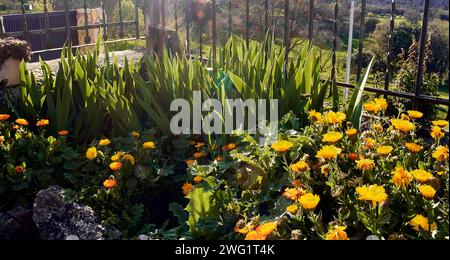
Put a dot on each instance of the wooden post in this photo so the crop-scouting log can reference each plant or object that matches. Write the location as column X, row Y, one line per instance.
column 311, row 21
column 423, row 42
column 387, row 76
column 214, row 33
column 247, row 23
column 152, row 11
column 361, row 39
column 350, row 47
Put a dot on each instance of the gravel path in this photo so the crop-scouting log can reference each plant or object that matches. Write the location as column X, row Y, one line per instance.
column 131, row 55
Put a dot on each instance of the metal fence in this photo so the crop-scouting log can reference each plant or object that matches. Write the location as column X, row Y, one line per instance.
column 417, row 96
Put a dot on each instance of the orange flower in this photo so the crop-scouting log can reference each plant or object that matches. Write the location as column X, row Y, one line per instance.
column 20, row 169
column 63, row 133
column 369, row 143
column 2, row 139
column 4, row 117
column 266, row 229
column 187, row 187
column 353, row 156
column 191, row 162
column 199, row 155
column 218, row 159
column 199, row 145
column 16, row 127
column 115, row 166
column 198, row 179
column 129, row 158
column 22, row 122
column 253, row 235
column 441, row 154
column 293, row 193
column 109, row 183
column 337, row 233
column 414, row 148
column 297, row 183
column 42, row 122
column 351, row 132
column 299, row 167
column 229, row 147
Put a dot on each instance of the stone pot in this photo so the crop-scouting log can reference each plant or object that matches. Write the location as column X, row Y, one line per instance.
column 10, row 72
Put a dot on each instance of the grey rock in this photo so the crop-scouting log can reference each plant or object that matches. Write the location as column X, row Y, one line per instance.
column 57, row 219
column 17, row 224
column 72, row 237
column 143, row 237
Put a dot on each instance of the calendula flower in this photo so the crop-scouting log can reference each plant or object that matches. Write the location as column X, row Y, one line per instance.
column 297, row 183
column 377, row 127
column 369, row 143
column 403, row 125
column 421, row 222
column 385, row 150
column 255, row 236
column 135, row 134
column 282, row 146
column 91, row 153
column 110, row 183
column 293, row 209
column 191, row 162
column 198, row 179
column 415, row 114
column 353, row 156
column 16, row 127
column 2, row 139
column 309, row 201
column 427, row 191
column 300, row 166
column 115, row 166
column 104, row 142
column 365, row 164
column 244, row 230
column 187, row 187
column 414, row 148
column 437, row 133
column 401, row 177
column 219, row 159
column 42, row 122
column 117, row 156
column 336, row 233
column 199, row 155
column 371, row 107
column 351, row 132
column 229, row 147
column 335, row 117
column 129, row 158
column 266, row 229
column 199, row 145
column 19, row 169
column 22, row 122
column 316, row 117
column 440, row 123
column 293, row 193
column 325, row 169
column 381, row 102
column 149, row 145
column 328, row 152
column 63, row 133
column 422, row 176
column 332, row 137
column 373, row 193
column 441, row 154
column 4, row 117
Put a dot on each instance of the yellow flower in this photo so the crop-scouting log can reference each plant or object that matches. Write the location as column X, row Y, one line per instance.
column 4, row 117
column 22, row 122
column 129, row 158
column 415, row 114
column 149, row 145
column 337, row 233
column 335, row 118
column 325, row 169
column 403, row 125
column 441, row 153
column 378, row 127
column 421, row 222
column 316, row 117
column 117, row 156
column 437, row 132
column 199, row 145
column 401, row 177
column 104, row 142
column 351, row 132
column 328, row 152
column 374, row 193
column 42, row 122
column 369, row 143
column 293, row 209
column 199, row 155
column 309, row 201
column 198, row 179
column 187, row 187
column 191, row 162
column 253, row 235
column 110, row 183
column 371, row 107
column 422, row 176
column 266, row 228
column 229, row 147
column 282, row 146
column 135, row 134
column 115, row 166
column 293, row 193
column 440, row 123
column 332, row 137
column 385, row 150
column 381, row 102
column 414, row 148
column 91, row 153
column 427, row 191
column 365, row 164
column 299, row 167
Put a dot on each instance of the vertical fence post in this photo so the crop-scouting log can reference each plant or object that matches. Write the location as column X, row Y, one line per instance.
column 390, row 54
column 48, row 43
column 163, row 14
column 121, row 33
column 333, row 57
column 136, row 17
column 423, row 41
column 25, row 23
column 187, row 9
column 361, row 39
column 68, row 30
column 105, row 29
column 87, row 38
column 350, row 48
column 287, row 43
column 266, row 26
column 176, row 16
column 214, row 33
column 311, row 21
column 247, row 22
